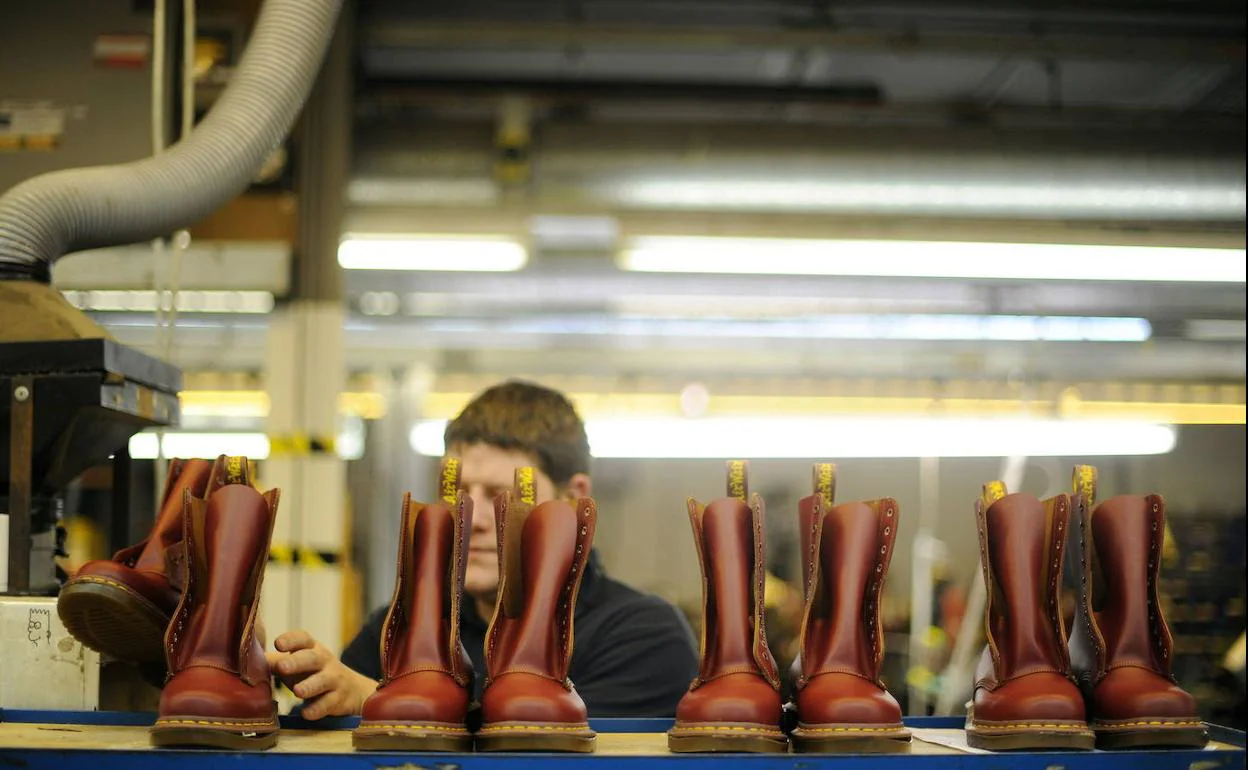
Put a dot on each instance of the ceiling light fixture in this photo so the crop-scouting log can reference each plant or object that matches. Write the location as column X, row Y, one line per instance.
column 432, row 252
column 932, row 259
column 850, row 437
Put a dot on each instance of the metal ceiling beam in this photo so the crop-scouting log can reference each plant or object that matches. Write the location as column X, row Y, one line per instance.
column 391, row 32
column 843, row 104
column 240, row 345
column 601, row 289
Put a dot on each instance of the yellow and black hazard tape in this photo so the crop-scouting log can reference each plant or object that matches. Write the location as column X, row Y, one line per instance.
column 300, row 445
column 303, row 557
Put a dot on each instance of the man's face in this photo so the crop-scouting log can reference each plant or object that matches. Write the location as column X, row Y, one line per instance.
column 486, row 471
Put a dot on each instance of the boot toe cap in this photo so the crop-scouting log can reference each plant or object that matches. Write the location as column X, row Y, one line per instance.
column 422, row 696
column 735, row 698
column 1136, row 693
column 215, row 694
column 521, row 697
column 845, row 699
column 1043, row 696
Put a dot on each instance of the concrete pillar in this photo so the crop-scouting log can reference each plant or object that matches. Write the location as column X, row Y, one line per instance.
column 305, row 373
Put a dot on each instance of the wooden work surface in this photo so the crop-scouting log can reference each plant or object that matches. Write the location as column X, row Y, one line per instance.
column 109, row 738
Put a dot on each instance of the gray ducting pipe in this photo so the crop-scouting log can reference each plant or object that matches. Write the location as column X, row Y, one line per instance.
column 46, row 217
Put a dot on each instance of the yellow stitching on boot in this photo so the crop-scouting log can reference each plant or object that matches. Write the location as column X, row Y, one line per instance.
column 261, row 723
column 436, row 728
column 848, row 729
column 1027, row 726
column 507, row 728
column 102, row 581
column 1187, row 723
column 729, row 728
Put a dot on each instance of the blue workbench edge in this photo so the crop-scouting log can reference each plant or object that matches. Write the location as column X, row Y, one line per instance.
column 146, row 718
column 294, row 722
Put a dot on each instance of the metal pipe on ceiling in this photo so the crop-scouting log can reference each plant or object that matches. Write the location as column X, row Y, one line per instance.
column 815, row 170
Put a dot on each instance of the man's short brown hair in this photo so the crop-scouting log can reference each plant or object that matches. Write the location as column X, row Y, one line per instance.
column 533, row 419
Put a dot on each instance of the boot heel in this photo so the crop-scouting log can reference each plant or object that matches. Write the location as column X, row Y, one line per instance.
column 867, row 740
column 419, row 738
column 1178, row 735
column 750, row 742
column 207, row 737
column 537, row 738
column 1029, row 739
column 112, row 619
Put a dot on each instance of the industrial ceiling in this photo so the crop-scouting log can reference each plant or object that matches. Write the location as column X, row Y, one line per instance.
column 575, row 126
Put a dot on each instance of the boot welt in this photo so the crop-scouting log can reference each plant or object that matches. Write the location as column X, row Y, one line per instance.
column 712, row 738
column 244, row 735
column 112, row 618
column 411, row 736
column 536, row 736
column 1145, row 732
column 851, row 739
column 1029, row 735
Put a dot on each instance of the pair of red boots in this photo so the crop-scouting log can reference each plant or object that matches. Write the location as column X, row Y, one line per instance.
column 735, row 703
column 186, row 598
column 1109, row 685
column 528, row 702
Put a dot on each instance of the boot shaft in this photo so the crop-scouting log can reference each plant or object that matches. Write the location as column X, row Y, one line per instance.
column 150, row 554
column 226, row 545
column 543, row 550
column 421, row 629
column 1119, row 545
column 1022, row 540
column 730, row 537
column 846, row 551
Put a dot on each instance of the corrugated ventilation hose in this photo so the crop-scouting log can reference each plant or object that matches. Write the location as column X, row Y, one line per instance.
column 46, row 217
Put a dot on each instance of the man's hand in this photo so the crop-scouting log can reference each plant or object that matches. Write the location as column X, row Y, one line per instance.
column 326, row 685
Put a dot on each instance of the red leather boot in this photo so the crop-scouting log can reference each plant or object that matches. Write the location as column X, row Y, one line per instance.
column 1025, row 695
column 121, row 606
column 422, row 701
column 734, row 704
column 529, row 704
column 842, row 705
column 1121, row 646
column 219, row 693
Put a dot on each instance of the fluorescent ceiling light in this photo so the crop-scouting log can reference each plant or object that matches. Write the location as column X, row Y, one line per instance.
column 252, row 445
column 1223, row 198
column 416, row 192
column 192, row 301
column 932, row 259
column 255, row 446
column 813, row 438
column 433, row 252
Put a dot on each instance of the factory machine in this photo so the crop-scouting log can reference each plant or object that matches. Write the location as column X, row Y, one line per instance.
column 70, row 396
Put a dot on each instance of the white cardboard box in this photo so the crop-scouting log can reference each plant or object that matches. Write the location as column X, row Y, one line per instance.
column 41, row 665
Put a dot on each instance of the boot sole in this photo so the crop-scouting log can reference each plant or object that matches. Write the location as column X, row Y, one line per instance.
column 414, row 737
column 1179, row 736
column 710, row 744
column 537, row 737
column 207, row 734
column 1030, row 738
column 847, row 739
column 708, row 740
column 113, row 619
